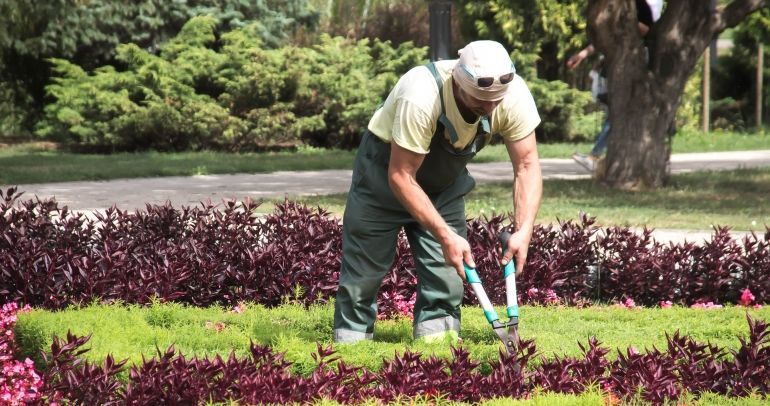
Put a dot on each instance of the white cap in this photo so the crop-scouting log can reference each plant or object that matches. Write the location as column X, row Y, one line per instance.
column 483, row 59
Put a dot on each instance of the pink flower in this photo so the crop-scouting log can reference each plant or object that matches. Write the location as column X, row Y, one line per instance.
column 19, row 382
column 746, row 297
column 665, row 304
column 218, row 326
column 239, row 308
column 707, row 306
column 550, row 297
column 405, row 307
column 629, row 303
column 757, row 306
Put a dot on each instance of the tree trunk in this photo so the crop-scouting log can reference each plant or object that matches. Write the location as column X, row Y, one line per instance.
column 646, row 83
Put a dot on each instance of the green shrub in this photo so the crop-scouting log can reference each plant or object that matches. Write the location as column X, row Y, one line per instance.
column 344, row 83
column 88, row 34
column 15, row 110
column 227, row 94
column 688, row 116
column 559, row 106
column 734, row 78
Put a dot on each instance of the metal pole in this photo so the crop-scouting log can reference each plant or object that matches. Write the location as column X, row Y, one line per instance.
column 440, row 29
column 706, row 89
column 760, row 68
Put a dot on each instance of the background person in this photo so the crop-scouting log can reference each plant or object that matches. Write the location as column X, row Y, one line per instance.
column 410, row 172
column 647, row 12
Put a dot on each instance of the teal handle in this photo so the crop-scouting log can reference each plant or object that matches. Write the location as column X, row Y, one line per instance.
column 471, row 274
column 513, row 311
column 491, row 315
column 478, row 289
column 509, row 268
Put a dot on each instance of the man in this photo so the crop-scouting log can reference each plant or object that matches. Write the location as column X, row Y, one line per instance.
column 410, row 172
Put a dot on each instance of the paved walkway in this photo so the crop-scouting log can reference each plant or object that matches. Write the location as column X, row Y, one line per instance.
column 133, row 194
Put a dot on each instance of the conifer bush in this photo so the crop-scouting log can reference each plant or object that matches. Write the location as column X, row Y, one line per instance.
column 228, row 92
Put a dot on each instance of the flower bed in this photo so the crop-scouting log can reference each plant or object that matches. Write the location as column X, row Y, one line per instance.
column 683, row 367
column 19, row 382
column 51, row 258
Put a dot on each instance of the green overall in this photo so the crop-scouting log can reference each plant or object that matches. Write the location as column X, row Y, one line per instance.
column 374, row 216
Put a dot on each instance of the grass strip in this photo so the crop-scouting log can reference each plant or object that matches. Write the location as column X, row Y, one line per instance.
column 134, row 332
column 42, row 162
column 694, row 201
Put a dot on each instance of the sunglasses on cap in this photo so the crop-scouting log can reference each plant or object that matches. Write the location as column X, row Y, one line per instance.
column 487, row 81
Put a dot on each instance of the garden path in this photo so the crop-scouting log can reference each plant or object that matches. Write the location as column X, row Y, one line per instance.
column 134, row 194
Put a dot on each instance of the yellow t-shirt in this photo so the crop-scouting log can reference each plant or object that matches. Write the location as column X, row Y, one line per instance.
column 411, row 111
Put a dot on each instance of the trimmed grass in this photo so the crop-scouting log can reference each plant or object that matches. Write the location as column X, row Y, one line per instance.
column 134, row 331
column 28, row 164
column 41, row 162
column 695, row 200
column 685, row 142
column 692, row 201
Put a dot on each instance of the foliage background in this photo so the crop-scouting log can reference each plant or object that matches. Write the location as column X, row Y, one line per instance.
column 88, row 33
column 228, row 92
column 317, row 106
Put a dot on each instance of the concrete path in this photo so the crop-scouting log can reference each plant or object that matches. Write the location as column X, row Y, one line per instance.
column 132, row 194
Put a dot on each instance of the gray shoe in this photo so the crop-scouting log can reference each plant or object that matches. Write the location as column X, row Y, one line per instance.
column 585, row 161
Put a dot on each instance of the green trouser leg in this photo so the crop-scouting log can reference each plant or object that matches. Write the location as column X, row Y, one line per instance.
column 372, row 220
column 439, row 288
column 369, row 243
column 368, row 251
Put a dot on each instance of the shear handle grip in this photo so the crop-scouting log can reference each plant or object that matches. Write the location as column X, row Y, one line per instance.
column 509, row 273
column 481, row 294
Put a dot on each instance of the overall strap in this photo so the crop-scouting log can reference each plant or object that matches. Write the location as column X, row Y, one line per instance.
column 443, row 119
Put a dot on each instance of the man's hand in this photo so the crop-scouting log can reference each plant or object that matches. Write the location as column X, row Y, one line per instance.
column 517, row 248
column 456, row 252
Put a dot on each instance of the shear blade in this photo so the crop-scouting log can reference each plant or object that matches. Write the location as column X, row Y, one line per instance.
column 509, row 341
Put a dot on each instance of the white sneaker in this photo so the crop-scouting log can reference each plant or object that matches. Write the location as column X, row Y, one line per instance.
column 586, row 161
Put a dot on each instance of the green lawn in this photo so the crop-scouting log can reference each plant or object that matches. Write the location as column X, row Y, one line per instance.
column 133, row 331
column 693, row 201
column 40, row 162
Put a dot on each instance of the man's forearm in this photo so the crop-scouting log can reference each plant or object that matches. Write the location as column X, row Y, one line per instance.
column 527, row 192
column 416, row 202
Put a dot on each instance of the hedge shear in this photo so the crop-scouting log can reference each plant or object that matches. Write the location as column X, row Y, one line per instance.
column 507, row 332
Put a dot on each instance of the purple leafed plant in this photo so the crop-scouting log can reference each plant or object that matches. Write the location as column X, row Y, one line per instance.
column 265, row 377
column 225, row 254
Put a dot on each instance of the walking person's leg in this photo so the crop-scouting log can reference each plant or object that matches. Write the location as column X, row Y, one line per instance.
column 600, row 145
column 601, row 140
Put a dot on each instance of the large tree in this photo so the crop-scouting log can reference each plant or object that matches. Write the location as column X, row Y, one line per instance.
column 646, row 85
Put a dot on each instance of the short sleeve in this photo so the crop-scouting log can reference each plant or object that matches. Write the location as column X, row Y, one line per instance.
column 517, row 116
column 413, row 128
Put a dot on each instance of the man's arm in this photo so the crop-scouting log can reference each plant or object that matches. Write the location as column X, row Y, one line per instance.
column 402, row 177
column 527, row 190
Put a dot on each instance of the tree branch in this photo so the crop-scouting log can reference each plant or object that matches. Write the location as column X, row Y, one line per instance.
column 735, row 12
